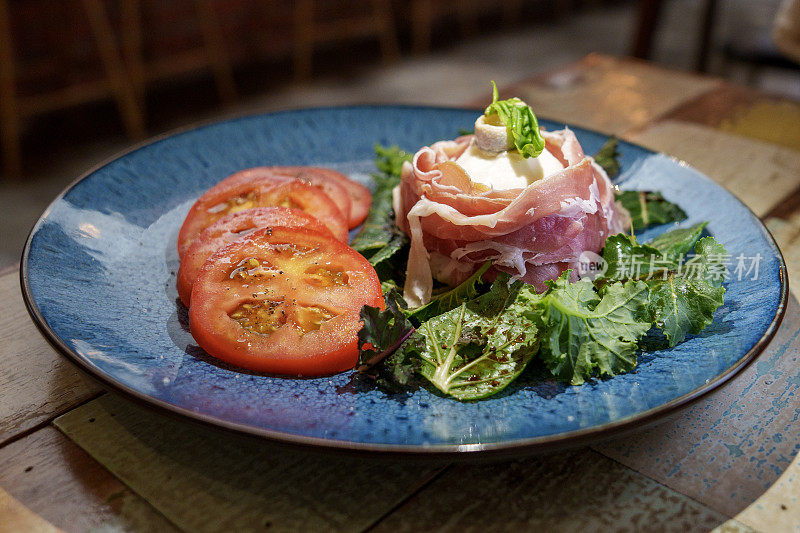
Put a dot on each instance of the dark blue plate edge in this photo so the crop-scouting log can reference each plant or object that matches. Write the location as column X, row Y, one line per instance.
column 443, row 451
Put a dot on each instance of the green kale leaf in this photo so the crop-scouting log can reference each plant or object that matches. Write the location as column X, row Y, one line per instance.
column 684, row 300
column 677, row 243
column 684, row 293
column 585, row 335
column 523, row 128
column 649, row 208
column 625, row 258
column 380, row 240
column 608, row 157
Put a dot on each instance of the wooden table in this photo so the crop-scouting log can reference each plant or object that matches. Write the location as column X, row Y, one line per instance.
column 77, row 458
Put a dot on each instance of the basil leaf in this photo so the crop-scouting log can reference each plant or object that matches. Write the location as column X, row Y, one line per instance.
column 523, row 128
column 649, row 208
column 608, row 157
column 584, row 335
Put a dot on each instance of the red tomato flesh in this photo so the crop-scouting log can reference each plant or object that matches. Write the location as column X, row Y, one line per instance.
column 284, row 301
column 352, row 198
column 233, row 227
column 325, row 179
column 360, row 197
column 223, row 199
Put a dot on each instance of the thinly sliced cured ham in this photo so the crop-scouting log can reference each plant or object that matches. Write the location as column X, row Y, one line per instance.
column 534, row 233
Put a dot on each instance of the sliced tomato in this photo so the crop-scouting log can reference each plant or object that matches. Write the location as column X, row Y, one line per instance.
column 360, row 197
column 283, row 301
column 352, row 198
column 319, row 177
column 223, row 199
column 232, row 227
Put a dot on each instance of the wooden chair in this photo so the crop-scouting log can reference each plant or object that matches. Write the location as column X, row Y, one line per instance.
column 211, row 54
column 754, row 48
column 649, row 13
column 424, row 14
column 14, row 107
column 309, row 30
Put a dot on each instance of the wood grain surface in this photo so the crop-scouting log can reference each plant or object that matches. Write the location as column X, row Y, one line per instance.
column 16, row 517
column 37, row 382
column 759, row 173
column 745, row 112
column 62, row 484
column 608, row 94
column 573, row 491
column 728, row 448
column 233, row 483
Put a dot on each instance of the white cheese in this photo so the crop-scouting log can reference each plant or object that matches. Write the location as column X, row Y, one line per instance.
column 507, row 169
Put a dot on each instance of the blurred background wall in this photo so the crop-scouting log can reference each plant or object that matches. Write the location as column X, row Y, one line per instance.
column 83, row 79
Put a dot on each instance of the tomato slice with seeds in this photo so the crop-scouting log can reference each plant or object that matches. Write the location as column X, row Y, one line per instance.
column 283, row 301
column 327, row 180
column 352, row 198
column 360, row 197
column 223, row 199
column 232, row 227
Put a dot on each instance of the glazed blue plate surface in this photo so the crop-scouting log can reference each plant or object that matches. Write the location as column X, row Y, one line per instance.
column 99, row 279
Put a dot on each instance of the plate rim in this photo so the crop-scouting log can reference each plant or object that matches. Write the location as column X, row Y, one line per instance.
column 541, row 444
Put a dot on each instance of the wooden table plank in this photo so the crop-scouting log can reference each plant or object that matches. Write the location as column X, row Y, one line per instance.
column 575, row 491
column 759, row 173
column 203, row 480
column 61, row 483
column 745, row 112
column 778, row 509
column 38, row 383
column 16, row 517
column 609, row 94
column 728, row 448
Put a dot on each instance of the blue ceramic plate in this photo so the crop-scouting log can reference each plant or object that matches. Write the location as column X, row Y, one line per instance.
column 98, row 275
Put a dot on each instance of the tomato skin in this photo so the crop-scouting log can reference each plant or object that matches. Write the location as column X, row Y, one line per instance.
column 228, row 229
column 289, row 349
column 222, row 199
column 328, row 180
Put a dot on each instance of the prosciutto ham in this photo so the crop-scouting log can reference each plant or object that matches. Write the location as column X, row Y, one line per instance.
column 534, row 234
